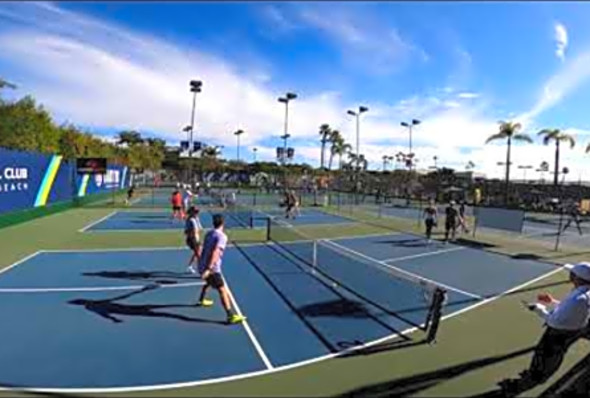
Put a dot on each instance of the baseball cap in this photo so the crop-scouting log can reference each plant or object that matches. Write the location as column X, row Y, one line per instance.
column 581, row 270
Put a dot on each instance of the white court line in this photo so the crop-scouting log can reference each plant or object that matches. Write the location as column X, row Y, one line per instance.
column 434, row 253
column 155, row 230
column 249, row 332
column 94, row 289
column 402, row 271
column 122, row 249
column 242, row 376
column 98, row 221
column 507, row 292
column 22, row 260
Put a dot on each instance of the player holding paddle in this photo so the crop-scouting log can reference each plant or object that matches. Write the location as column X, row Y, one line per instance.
column 566, row 321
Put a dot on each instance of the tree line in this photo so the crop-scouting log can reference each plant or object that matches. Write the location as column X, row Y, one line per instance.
column 26, row 125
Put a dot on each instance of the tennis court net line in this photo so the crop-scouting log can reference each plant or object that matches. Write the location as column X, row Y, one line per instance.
column 411, row 298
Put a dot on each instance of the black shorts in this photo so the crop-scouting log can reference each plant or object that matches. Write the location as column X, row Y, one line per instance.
column 215, row 280
column 176, row 208
column 192, row 243
column 429, row 223
column 449, row 225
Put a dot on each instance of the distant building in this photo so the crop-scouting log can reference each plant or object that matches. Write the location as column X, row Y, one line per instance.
column 470, row 175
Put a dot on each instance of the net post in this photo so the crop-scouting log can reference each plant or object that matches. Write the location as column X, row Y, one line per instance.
column 560, row 226
column 314, row 256
column 267, row 229
column 435, row 314
column 475, row 219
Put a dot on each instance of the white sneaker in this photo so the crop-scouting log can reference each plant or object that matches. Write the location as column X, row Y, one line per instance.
column 191, row 269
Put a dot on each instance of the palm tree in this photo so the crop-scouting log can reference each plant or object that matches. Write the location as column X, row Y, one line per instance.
column 353, row 160
column 470, row 165
column 341, row 148
column 400, row 157
column 325, row 133
column 509, row 132
column 385, row 160
column 363, row 163
column 558, row 136
column 336, row 140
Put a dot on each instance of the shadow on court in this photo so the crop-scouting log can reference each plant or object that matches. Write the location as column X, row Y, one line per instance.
column 109, row 308
column 339, row 308
column 413, row 384
column 161, row 277
column 414, row 242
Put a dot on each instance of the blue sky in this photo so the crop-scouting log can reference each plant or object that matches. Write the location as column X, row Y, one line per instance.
column 459, row 67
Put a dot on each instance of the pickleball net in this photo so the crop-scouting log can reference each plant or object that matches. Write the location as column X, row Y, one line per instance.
column 244, row 215
column 411, row 298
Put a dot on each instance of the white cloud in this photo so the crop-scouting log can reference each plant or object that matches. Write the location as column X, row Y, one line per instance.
column 98, row 74
column 561, row 40
column 574, row 74
column 468, row 95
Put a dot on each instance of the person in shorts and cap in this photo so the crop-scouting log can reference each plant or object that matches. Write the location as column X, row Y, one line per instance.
column 210, row 269
column 566, row 321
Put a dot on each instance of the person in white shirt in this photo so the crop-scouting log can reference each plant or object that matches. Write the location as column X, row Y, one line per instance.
column 566, row 321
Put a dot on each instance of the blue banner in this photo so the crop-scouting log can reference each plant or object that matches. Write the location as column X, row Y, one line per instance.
column 497, row 218
column 29, row 179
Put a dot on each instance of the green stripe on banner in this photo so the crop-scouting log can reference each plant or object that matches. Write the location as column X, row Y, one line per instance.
column 83, row 185
column 48, row 180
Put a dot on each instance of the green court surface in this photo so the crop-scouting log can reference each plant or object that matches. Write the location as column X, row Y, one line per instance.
column 475, row 349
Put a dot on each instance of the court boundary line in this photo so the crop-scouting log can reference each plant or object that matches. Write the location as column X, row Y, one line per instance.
column 433, row 253
column 311, row 361
column 98, row 288
column 249, row 332
column 412, row 275
column 22, row 260
column 92, row 224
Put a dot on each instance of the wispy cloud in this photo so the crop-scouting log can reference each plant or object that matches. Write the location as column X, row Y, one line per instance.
column 571, row 77
column 561, row 40
column 359, row 32
column 277, row 18
column 467, row 95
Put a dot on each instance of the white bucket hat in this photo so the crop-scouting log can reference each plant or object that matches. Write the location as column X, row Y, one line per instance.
column 581, row 270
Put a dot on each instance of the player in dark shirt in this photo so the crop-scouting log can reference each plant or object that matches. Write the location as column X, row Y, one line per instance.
column 574, row 215
column 452, row 216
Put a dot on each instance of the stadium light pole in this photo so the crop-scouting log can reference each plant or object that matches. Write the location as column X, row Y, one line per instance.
column 238, row 133
column 525, row 168
column 410, row 125
column 195, row 87
column 187, row 130
column 285, row 100
column 357, row 114
column 255, row 150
